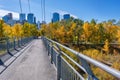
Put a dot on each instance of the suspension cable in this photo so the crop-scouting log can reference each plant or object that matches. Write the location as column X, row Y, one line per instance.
column 20, row 6
column 29, row 6
column 43, row 10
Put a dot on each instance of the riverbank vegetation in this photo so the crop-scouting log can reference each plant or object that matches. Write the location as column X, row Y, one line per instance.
column 100, row 41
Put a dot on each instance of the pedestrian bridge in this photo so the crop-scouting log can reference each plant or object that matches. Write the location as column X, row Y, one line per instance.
column 44, row 59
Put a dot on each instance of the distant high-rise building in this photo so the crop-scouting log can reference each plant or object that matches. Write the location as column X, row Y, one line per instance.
column 7, row 17
column 30, row 18
column 34, row 20
column 56, row 17
column 12, row 22
column 22, row 17
column 43, row 22
column 10, row 16
column 66, row 16
column 38, row 24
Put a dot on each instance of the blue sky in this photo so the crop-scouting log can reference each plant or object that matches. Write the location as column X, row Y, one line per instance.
column 84, row 9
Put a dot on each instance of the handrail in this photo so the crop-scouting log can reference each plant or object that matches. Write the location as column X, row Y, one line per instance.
column 7, row 44
column 104, row 67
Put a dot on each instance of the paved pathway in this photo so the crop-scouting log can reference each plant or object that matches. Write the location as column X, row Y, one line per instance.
column 33, row 64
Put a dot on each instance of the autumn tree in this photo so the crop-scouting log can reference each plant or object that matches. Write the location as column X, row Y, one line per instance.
column 17, row 30
column 33, row 30
column 1, row 28
column 87, row 31
column 7, row 30
column 60, row 34
column 78, row 30
column 106, row 46
column 43, row 30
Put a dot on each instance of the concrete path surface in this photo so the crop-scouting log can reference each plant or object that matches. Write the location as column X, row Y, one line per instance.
column 32, row 64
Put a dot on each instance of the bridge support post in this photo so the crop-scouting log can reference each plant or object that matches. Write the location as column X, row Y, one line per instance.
column 59, row 66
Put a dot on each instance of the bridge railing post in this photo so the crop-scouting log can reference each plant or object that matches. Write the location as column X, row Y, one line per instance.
column 86, row 66
column 45, row 42
column 58, row 62
column 18, row 43
column 21, row 42
column 49, row 48
column 59, row 66
column 14, row 44
column 7, row 40
column 52, row 54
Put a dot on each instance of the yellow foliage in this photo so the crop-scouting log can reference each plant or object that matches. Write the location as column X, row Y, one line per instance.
column 69, row 33
column 73, row 26
column 1, row 28
column 106, row 46
column 17, row 30
column 7, row 30
column 87, row 32
column 86, row 27
column 93, row 53
column 116, row 65
column 60, row 33
column 118, row 35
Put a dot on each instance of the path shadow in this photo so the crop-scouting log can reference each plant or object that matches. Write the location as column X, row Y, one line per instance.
column 10, row 54
column 16, row 50
column 2, row 63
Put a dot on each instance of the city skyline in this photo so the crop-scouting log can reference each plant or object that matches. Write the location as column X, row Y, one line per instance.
column 84, row 9
column 30, row 18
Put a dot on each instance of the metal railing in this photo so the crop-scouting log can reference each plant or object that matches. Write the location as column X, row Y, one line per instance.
column 8, row 44
column 66, row 71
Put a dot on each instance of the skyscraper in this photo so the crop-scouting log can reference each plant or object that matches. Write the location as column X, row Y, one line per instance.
column 30, row 18
column 5, row 18
column 10, row 16
column 66, row 16
column 34, row 20
column 56, row 17
column 9, row 19
column 22, row 17
column 38, row 24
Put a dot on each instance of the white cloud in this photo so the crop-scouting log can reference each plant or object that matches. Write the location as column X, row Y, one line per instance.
column 4, row 12
column 61, row 12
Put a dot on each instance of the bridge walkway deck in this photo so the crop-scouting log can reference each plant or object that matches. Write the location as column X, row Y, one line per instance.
column 32, row 64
